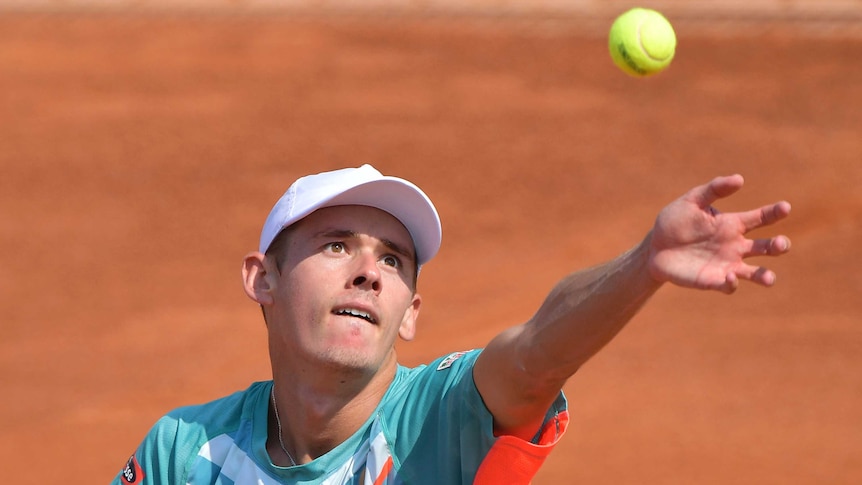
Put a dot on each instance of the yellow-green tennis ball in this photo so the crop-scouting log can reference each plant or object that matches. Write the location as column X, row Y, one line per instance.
column 642, row 42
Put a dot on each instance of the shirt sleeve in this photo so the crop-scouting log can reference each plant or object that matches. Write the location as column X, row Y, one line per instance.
column 447, row 433
column 157, row 460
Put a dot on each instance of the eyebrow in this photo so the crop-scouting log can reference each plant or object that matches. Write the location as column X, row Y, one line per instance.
column 347, row 234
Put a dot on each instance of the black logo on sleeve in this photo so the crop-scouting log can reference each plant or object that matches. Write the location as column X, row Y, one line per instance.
column 132, row 473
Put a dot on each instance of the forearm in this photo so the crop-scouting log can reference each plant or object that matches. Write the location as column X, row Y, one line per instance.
column 522, row 369
column 583, row 313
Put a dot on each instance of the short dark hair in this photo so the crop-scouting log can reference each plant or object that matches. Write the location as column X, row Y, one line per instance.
column 278, row 248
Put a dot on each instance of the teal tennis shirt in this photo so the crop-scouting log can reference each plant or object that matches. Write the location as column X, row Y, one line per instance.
column 431, row 427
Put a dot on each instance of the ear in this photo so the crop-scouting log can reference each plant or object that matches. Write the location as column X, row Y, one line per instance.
column 407, row 330
column 254, row 278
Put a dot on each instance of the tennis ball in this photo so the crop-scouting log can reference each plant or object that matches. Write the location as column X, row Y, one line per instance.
column 642, row 42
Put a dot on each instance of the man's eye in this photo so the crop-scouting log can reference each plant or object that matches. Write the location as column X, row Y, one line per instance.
column 392, row 261
column 335, row 247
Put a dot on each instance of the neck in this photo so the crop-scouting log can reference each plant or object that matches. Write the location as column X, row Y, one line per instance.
column 319, row 414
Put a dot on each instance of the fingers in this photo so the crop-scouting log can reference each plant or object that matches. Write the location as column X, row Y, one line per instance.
column 728, row 267
column 731, row 283
column 718, row 188
column 773, row 246
column 764, row 216
column 756, row 274
column 721, row 187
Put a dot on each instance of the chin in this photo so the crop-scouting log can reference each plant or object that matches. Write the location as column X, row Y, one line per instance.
column 348, row 360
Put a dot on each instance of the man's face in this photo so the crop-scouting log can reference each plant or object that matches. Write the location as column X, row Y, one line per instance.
column 344, row 291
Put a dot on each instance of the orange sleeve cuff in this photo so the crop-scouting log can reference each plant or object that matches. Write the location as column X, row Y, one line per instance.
column 515, row 461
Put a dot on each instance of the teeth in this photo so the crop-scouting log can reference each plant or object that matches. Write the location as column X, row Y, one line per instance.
column 356, row 313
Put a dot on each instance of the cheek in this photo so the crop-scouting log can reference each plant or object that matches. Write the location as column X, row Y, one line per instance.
column 306, row 278
column 296, row 303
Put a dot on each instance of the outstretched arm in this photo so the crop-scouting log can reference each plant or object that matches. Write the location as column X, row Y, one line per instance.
column 692, row 245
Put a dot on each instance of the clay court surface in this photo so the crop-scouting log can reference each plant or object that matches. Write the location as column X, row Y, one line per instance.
column 140, row 154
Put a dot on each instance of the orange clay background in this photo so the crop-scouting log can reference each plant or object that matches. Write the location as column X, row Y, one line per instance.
column 140, row 155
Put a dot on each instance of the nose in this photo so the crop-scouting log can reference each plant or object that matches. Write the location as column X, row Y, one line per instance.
column 367, row 275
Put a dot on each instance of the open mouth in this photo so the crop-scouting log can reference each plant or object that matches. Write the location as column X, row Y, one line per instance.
column 352, row 312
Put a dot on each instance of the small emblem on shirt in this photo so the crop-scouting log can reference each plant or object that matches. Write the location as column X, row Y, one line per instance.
column 133, row 473
column 450, row 359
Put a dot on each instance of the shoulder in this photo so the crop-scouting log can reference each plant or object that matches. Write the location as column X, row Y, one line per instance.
column 444, row 382
column 463, row 359
column 173, row 442
column 222, row 410
column 449, row 368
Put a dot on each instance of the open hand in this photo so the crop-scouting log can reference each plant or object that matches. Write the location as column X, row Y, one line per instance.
column 694, row 245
